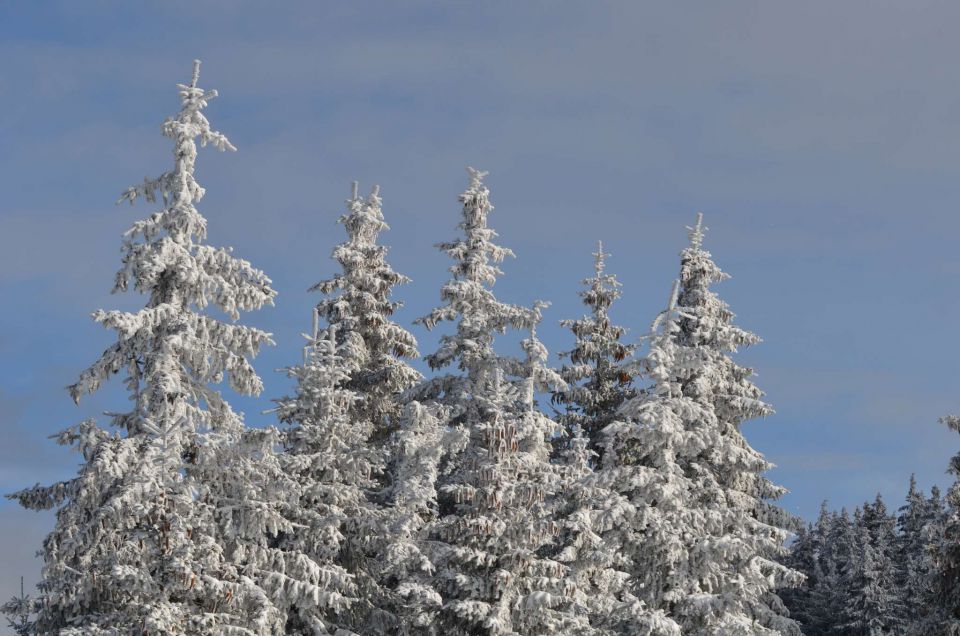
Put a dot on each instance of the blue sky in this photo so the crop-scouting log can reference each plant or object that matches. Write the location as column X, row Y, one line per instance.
column 819, row 139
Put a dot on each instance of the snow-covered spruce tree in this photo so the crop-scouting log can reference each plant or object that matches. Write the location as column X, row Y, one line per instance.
column 643, row 499
column 805, row 552
column 358, row 305
column 826, row 599
column 327, row 455
column 495, row 487
column 141, row 542
column 823, row 556
column 927, row 619
column 19, row 611
column 369, row 349
column 490, row 572
column 913, row 559
column 598, row 377
column 873, row 607
column 738, row 569
column 597, row 586
column 882, row 530
column 831, row 598
column 661, row 533
column 917, row 519
column 471, row 304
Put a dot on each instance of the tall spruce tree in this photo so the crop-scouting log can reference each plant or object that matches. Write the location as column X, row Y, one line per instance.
column 651, row 526
column 599, row 505
column 359, row 306
column 495, row 493
column 144, row 541
column 738, row 569
column 341, row 416
column 708, row 329
column 599, row 375
column 596, row 587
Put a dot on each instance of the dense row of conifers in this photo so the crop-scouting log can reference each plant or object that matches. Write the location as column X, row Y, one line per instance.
column 877, row 572
column 385, row 502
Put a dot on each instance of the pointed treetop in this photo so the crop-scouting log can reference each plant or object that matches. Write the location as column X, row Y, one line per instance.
column 476, row 177
column 696, row 232
column 196, row 74
column 600, row 257
column 364, row 219
column 194, row 98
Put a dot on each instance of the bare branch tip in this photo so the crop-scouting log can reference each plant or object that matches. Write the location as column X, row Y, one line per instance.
column 674, row 294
